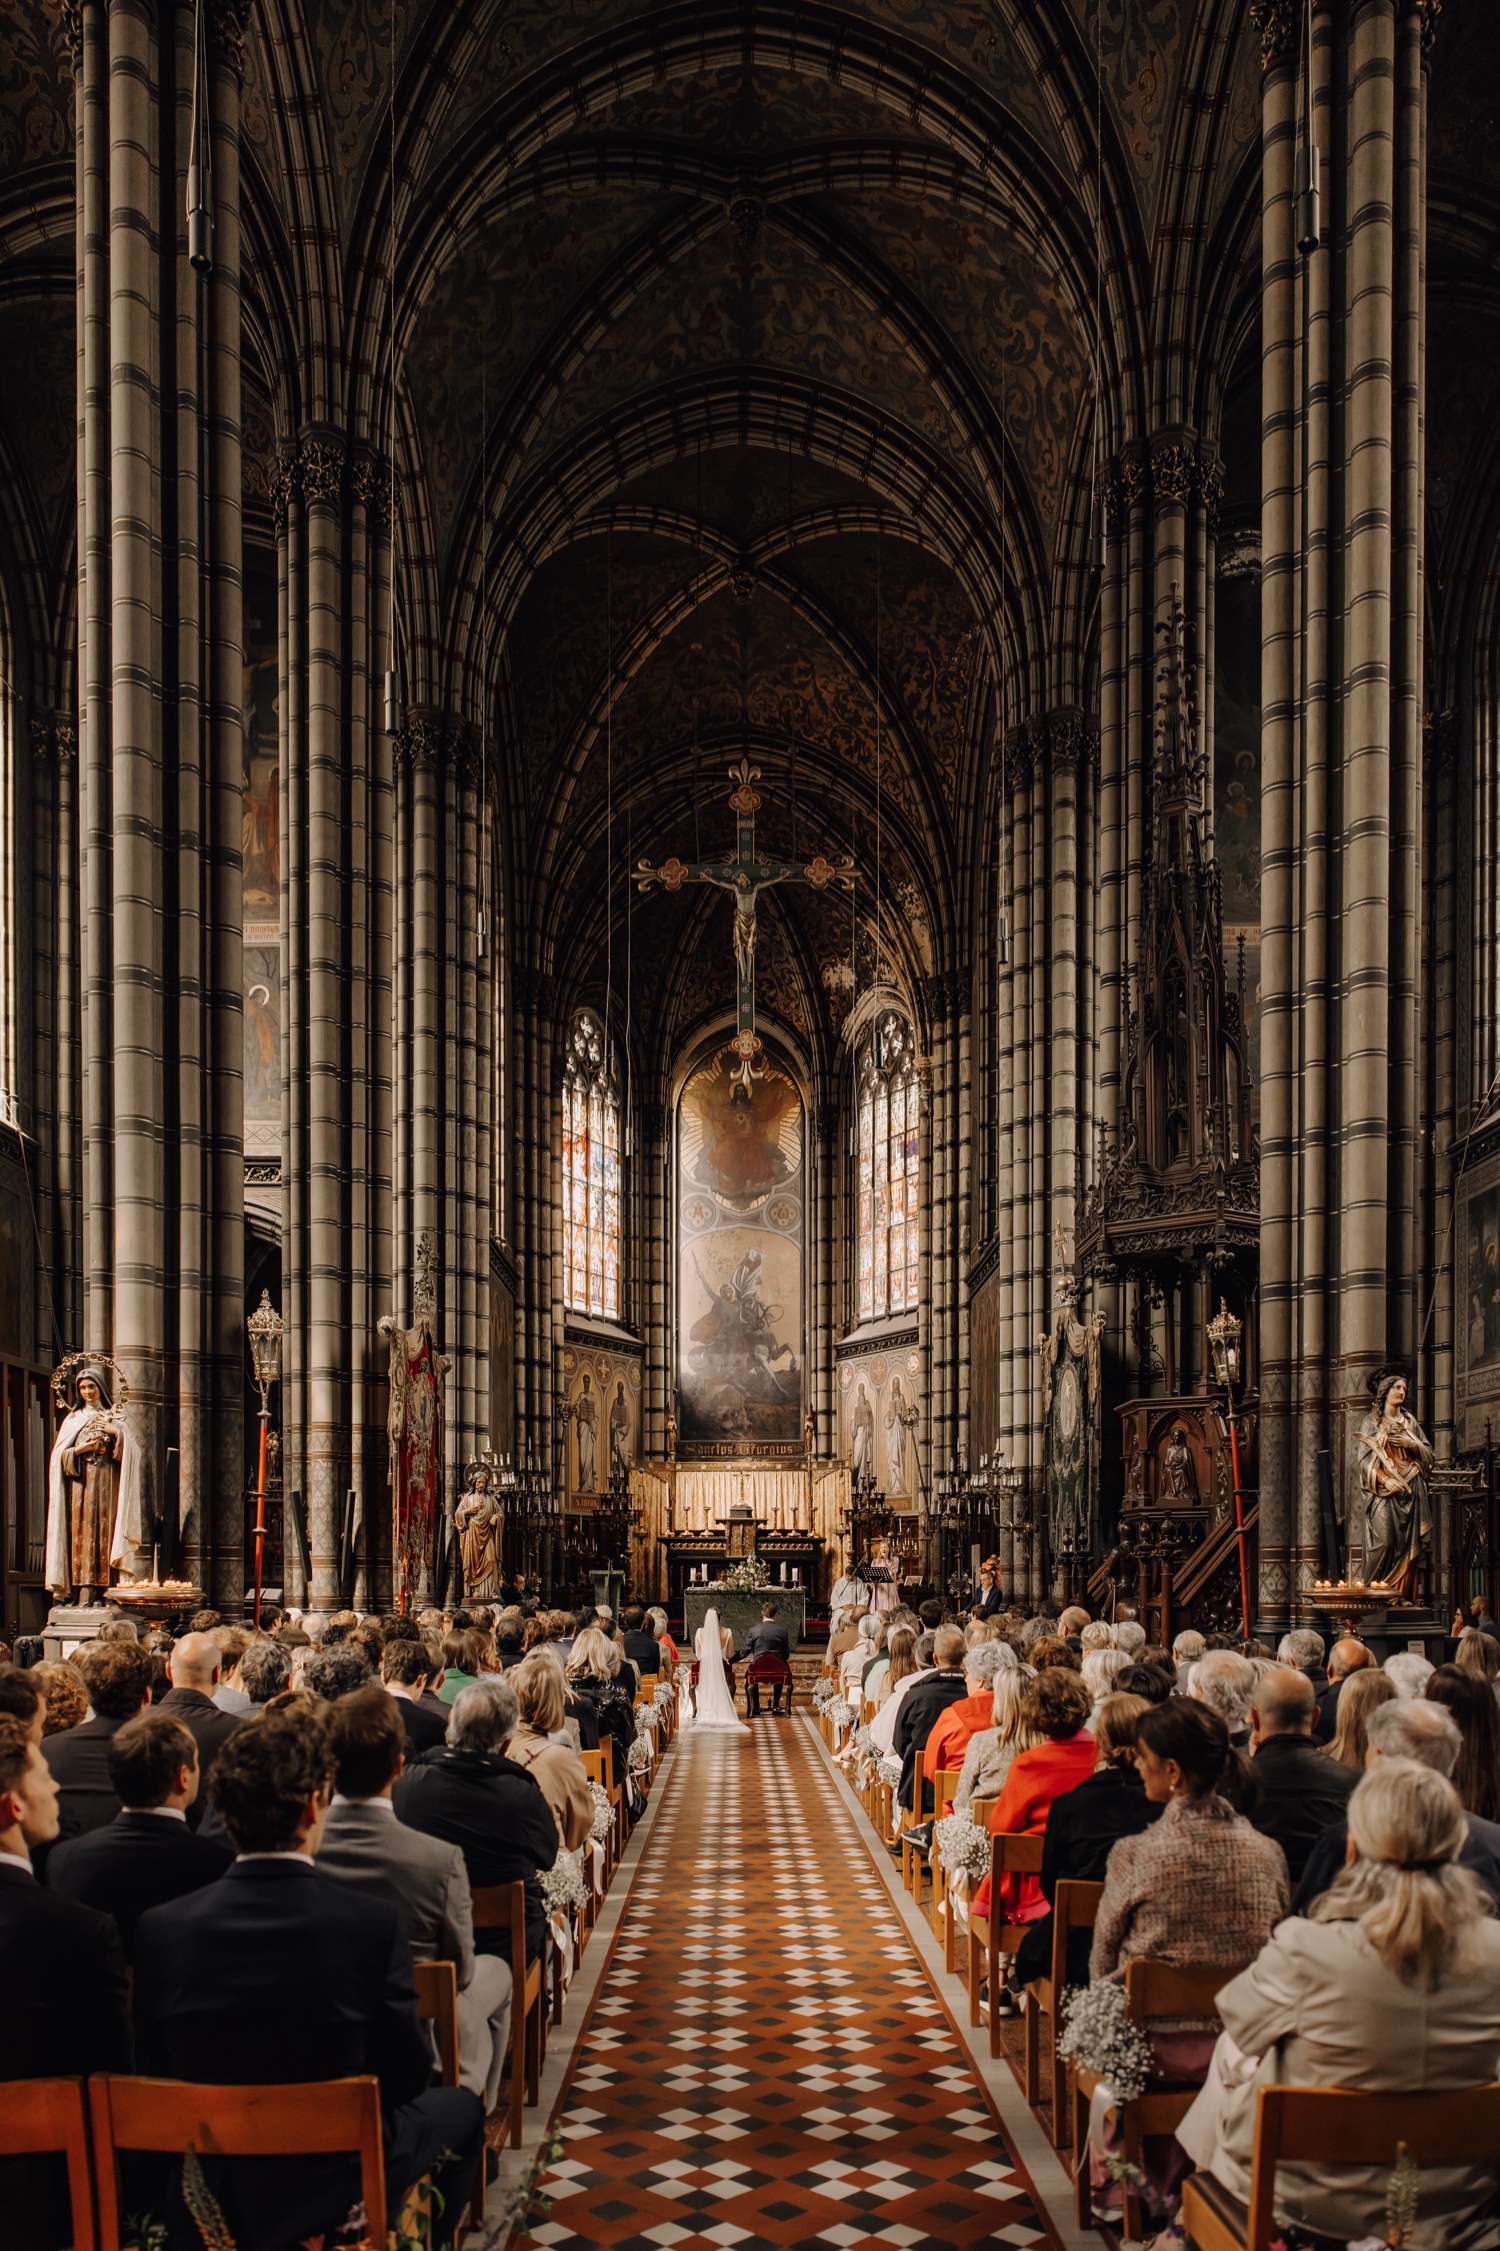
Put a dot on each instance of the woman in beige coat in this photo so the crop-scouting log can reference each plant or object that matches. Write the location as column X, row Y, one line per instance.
column 1392, row 1985
column 540, row 1744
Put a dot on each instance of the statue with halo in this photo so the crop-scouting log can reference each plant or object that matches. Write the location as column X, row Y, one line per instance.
column 93, row 1481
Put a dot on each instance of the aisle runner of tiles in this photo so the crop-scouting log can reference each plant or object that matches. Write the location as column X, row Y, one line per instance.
column 768, row 2064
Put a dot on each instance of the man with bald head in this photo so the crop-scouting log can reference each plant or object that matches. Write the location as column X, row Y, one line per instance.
column 1345, row 1657
column 1409, row 1727
column 194, row 1668
column 1301, row 1791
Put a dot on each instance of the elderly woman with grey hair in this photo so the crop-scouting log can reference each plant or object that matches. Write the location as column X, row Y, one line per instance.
column 471, row 1795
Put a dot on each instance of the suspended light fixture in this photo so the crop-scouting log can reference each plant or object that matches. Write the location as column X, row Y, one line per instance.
column 1098, row 532
column 200, row 177
column 395, row 702
column 1307, row 178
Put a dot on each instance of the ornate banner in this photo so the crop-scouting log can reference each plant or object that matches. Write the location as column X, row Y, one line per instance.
column 1070, row 1416
column 415, row 1429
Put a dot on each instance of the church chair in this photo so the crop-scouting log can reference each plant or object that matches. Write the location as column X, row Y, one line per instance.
column 990, row 1935
column 497, row 1907
column 980, row 1810
column 944, row 1783
column 1075, row 1909
column 437, row 2005
column 308, row 2119
column 45, row 2117
column 1336, row 2126
column 599, row 1767
column 911, row 1858
column 1152, row 1989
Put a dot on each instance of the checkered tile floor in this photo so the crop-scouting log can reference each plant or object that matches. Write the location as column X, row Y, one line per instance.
column 768, row 2065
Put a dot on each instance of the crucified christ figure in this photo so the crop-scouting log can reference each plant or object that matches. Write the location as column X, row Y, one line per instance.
column 745, row 878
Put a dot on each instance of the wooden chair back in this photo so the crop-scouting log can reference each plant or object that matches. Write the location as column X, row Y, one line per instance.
column 1074, row 1908
column 980, row 1810
column 1015, row 1855
column 40, row 2116
column 1158, row 1989
column 437, row 2005
column 322, row 2117
column 501, row 1907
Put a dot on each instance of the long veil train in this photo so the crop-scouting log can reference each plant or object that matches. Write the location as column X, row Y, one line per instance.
column 715, row 1700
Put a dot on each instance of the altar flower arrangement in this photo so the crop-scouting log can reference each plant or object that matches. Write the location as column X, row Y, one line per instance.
column 604, row 1812
column 963, row 1848
column 1098, row 2035
column 563, row 1885
column 747, row 1576
column 889, row 1769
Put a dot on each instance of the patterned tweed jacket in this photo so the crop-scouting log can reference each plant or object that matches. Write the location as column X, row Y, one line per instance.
column 1198, row 1888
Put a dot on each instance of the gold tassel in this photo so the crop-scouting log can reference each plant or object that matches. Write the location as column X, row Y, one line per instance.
column 203, row 2205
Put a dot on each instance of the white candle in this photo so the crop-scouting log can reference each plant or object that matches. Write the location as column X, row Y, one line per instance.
column 783, row 1574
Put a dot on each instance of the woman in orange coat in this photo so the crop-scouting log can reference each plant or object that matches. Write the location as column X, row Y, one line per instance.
column 1056, row 1705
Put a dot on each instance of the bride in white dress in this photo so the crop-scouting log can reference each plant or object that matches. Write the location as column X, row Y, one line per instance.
column 715, row 1697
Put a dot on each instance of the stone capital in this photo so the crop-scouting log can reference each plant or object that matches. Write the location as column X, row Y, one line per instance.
column 320, row 469
column 1278, row 22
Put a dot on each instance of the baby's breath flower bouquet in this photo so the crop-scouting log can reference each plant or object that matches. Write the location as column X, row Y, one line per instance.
column 1098, row 2034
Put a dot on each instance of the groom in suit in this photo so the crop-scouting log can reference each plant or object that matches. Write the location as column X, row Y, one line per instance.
column 768, row 1645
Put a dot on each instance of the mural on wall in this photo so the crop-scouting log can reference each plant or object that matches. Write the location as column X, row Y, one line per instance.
column 740, row 1357
column 878, row 1416
column 1477, row 1313
column 260, row 837
column 1237, row 791
column 602, row 1417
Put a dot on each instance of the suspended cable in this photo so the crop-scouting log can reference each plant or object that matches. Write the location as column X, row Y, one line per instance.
column 200, row 169
column 395, row 714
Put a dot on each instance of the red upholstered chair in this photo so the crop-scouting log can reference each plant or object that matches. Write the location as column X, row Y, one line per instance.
column 766, row 1672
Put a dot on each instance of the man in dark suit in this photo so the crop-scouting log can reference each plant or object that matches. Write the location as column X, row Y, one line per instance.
column 924, row 1705
column 641, row 1648
column 769, row 1639
column 1300, row 1790
column 221, row 1975
column 470, row 1795
column 194, row 1666
column 148, row 1854
column 118, row 1676
column 987, row 1600
column 64, row 2011
column 1406, row 1728
column 406, row 1671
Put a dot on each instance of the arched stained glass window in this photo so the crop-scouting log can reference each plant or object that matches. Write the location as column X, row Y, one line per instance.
column 591, row 1174
column 888, row 1166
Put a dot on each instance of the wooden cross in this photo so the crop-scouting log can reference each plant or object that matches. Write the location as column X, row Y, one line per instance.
column 746, row 877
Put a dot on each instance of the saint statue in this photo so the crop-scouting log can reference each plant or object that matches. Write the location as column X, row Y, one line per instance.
column 479, row 1523
column 93, row 1493
column 586, row 1420
column 862, row 1431
column 1179, row 1485
column 1395, row 1459
column 619, row 1436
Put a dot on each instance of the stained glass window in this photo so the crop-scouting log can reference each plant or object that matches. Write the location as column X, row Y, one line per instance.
column 886, row 1214
column 591, row 1174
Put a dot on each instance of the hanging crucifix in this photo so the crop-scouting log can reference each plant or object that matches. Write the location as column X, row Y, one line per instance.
column 746, row 877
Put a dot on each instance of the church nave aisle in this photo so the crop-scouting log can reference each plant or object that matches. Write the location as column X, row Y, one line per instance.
column 766, row 2062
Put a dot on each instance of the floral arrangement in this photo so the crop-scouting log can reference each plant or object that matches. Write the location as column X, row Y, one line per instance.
column 747, row 1576
column 889, row 1769
column 645, row 1720
column 664, row 1695
column 604, row 1812
column 563, row 1885
column 842, row 1712
column 1098, row 2035
column 864, row 1741
column 640, row 1753
column 824, row 1693
column 962, row 1847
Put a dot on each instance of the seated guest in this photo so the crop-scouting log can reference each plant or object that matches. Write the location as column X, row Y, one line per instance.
column 1055, row 1706
column 406, row 1671
column 593, row 1676
column 1186, row 1651
column 65, row 1699
column 1409, row 1670
column 1392, row 1985
column 1226, row 1683
column 540, row 1744
column 1478, row 1653
column 118, row 1674
column 194, row 1667
column 1346, row 1658
column 230, row 1695
column 65, row 2011
column 900, row 1664
column 883, row 1726
column 1050, row 1650
column 564, row 1628
column 1471, row 1701
column 1301, row 1651
column 1360, row 1693
column 1083, row 1826
column 768, row 1646
column 770, row 1637
column 843, row 1635
column 464, row 1659
column 1101, row 1669
column 947, row 1746
column 509, row 1643
column 341, row 1670
column 877, row 1665
column 1130, row 1636
column 640, row 1647
column 1299, row 1791
column 853, row 1662
column 20, row 1698
column 656, row 1626
column 1478, row 1620
column 1155, row 1683
column 365, row 1846
column 265, row 1670
column 1398, row 1728
column 921, row 1710
column 470, row 1795
column 992, row 1750
column 1097, row 1634
column 147, row 1855
column 221, row 1975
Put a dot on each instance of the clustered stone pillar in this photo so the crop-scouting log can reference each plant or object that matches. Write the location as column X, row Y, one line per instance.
column 160, row 764
column 336, row 937
column 1341, row 330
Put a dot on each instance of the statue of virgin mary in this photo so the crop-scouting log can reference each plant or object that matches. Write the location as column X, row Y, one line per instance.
column 93, row 1493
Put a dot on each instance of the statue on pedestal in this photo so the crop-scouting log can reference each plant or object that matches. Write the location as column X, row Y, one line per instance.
column 1395, row 1459
column 93, row 1482
column 479, row 1521
column 414, row 1426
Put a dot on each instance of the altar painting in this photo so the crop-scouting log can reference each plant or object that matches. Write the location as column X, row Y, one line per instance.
column 740, row 1345
column 1477, row 1292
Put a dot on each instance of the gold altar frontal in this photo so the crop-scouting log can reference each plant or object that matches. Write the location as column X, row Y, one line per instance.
column 801, row 1506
